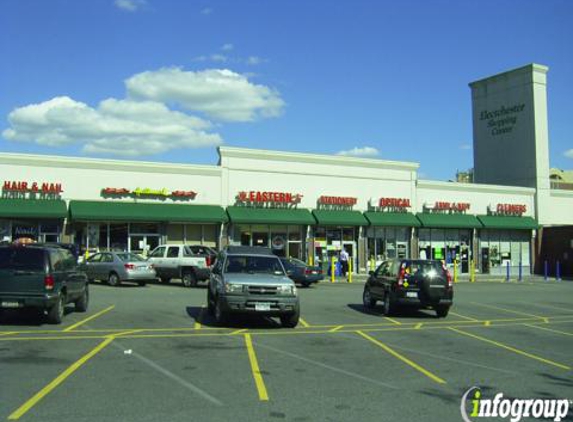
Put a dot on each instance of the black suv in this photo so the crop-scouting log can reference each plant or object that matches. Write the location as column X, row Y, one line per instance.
column 412, row 283
column 42, row 277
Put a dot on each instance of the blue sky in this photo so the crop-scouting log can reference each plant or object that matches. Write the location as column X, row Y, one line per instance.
column 168, row 80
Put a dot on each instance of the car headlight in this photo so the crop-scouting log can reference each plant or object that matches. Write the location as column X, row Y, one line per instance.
column 233, row 288
column 286, row 290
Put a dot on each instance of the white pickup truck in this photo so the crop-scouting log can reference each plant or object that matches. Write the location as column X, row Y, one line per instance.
column 178, row 261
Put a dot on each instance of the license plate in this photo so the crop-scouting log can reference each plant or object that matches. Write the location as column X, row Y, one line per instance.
column 411, row 294
column 10, row 304
column 262, row 307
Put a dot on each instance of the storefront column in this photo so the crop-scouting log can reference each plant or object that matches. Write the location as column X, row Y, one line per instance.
column 475, row 256
column 414, row 252
column 362, row 255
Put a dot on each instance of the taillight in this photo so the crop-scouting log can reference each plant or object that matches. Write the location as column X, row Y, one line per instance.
column 307, row 271
column 401, row 277
column 208, row 261
column 129, row 266
column 49, row 282
column 448, row 277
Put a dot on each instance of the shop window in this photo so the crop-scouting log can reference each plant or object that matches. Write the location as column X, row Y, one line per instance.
column 320, row 234
column 144, row 228
column 260, row 235
column 348, row 234
column 193, row 234
column 175, row 233
column 295, row 233
column 103, row 237
column 118, row 237
column 210, row 237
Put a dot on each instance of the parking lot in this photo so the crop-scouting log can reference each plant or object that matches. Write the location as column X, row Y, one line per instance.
column 154, row 354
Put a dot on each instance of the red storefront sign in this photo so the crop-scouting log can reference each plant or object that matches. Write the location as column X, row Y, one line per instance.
column 510, row 209
column 344, row 201
column 394, row 203
column 262, row 197
column 147, row 192
column 33, row 187
column 451, row 206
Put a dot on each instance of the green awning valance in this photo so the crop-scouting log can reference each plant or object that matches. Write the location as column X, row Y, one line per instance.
column 131, row 211
column 33, row 208
column 508, row 222
column 449, row 221
column 269, row 215
column 340, row 218
column 396, row 219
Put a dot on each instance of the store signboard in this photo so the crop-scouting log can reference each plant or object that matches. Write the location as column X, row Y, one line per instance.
column 268, row 199
column 507, row 209
column 445, row 207
column 148, row 193
column 386, row 204
column 31, row 190
column 336, row 202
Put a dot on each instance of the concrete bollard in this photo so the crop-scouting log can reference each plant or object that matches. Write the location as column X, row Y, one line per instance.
column 558, row 271
column 546, row 270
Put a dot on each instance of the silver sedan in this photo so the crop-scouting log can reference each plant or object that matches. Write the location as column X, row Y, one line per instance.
column 115, row 267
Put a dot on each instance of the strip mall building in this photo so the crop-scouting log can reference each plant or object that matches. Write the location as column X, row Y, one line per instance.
column 310, row 206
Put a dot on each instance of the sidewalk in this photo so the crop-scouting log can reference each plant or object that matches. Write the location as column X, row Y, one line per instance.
column 462, row 278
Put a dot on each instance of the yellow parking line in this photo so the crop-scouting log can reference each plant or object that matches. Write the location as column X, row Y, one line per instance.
column 238, row 332
column 261, row 389
column 418, row 326
column 463, row 316
column 58, row 380
column 511, row 311
column 304, row 323
column 82, row 322
column 335, row 329
column 7, row 333
column 393, row 321
column 486, row 323
column 199, row 318
column 124, row 333
column 549, row 329
column 402, row 358
column 511, row 349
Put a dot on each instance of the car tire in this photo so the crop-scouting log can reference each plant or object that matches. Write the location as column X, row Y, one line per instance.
column 290, row 320
column 141, row 283
column 442, row 311
column 83, row 302
column 305, row 284
column 221, row 316
column 165, row 280
column 189, row 279
column 113, row 279
column 210, row 302
column 389, row 307
column 367, row 299
column 56, row 312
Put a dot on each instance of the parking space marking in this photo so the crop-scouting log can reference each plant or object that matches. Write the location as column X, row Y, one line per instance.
column 257, row 376
column 544, row 319
column 392, row 320
column 7, row 333
column 467, row 318
column 18, row 413
column 304, row 323
column 418, row 325
column 335, row 329
column 82, row 322
column 124, row 333
column 557, row 308
column 242, row 330
column 549, row 329
column 511, row 349
column 397, row 355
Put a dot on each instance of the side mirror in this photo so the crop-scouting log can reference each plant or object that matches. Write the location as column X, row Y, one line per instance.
column 370, row 272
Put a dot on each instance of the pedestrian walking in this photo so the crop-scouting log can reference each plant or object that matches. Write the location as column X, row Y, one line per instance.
column 344, row 262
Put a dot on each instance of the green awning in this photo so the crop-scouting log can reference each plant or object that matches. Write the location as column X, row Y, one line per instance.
column 508, row 222
column 340, row 218
column 269, row 215
column 33, row 208
column 450, row 221
column 396, row 219
column 132, row 211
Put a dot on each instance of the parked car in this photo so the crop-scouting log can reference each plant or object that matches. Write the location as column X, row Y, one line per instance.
column 252, row 280
column 116, row 267
column 42, row 277
column 410, row 283
column 209, row 253
column 301, row 273
column 179, row 261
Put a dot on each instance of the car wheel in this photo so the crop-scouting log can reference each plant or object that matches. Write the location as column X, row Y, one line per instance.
column 290, row 320
column 165, row 279
column 220, row 314
column 82, row 303
column 141, row 283
column 56, row 312
column 189, row 279
column 442, row 311
column 210, row 302
column 113, row 280
column 367, row 299
column 389, row 307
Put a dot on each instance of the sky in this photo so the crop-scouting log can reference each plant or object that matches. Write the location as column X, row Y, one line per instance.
column 170, row 80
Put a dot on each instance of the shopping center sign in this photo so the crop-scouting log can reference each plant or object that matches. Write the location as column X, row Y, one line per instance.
column 444, row 207
column 148, row 193
column 507, row 209
column 268, row 199
column 336, row 202
column 31, row 190
column 390, row 205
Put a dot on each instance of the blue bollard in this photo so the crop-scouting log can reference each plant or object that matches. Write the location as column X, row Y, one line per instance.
column 507, row 276
column 546, row 271
column 520, row 276
column 558, row 271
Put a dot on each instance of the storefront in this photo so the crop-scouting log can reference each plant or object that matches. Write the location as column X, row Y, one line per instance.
column 32, row 210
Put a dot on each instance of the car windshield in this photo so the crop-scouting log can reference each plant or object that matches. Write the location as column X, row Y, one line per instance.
column 29, row 259
column 254, row 265
column 130, row 257
column 425, row 267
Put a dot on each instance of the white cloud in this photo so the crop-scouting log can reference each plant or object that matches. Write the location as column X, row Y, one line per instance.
column 130, row 5
column 360, row 152
column 466, row 147
column 227, row 47
column 568, row 153
column 116, row 127
column 254, row 60
column 219, row 93
column 206, row 11
column 220, row 58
